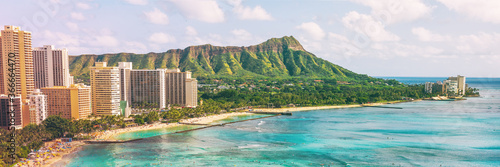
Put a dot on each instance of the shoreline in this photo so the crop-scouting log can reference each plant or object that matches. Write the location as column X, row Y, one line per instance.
column 296, row 109
column 199, row 120
column 65, row 157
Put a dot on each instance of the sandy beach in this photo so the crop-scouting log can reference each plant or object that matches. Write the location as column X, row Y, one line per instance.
column 75, row 146
column 212, row 118
column 108, row 135
column 294, row 109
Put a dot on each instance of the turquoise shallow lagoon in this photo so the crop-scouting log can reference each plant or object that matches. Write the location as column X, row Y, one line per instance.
column 157, row 132
column 426, row 133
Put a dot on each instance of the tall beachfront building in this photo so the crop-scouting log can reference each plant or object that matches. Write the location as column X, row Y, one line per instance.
column 125, row 68
column 457, row 84
column 148, row 88
column 14, row 40
column 462, row 87
column 105, row 83
column 51, row 67
column 17, row 42
column 191, row 92
column 4, row 115
column 70, row 102
column 181, row 89
column 38, row 107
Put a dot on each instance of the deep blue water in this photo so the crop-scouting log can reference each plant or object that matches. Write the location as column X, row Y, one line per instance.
column 426, row 133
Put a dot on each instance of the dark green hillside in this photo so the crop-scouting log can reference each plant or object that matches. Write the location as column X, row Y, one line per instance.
column 277, row 57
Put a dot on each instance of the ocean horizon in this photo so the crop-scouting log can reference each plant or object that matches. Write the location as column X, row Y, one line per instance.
column 424, row 133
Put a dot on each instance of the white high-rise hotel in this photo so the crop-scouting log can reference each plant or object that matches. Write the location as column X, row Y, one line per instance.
column 51, row 67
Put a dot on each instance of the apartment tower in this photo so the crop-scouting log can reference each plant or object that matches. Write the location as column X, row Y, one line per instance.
column 70, row 102
column 178, row 86
column 51, row 67
column 38, row 107
column 18, row 42
column 105, row 84
column 457, row 84
column 148, row 88
column 462, row 87
column 191, row 92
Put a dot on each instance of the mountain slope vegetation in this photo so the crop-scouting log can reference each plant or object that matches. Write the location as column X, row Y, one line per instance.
column 276, row 57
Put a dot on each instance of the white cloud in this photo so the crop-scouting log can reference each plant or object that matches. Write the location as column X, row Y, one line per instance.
column 248, row 13
column 478, row 44
column 242, row 34
column 214, row 39
column 338, row 37
column 137, row 2
column 157, row 17
column 77, row 16
column 202, row 10
column 135, row 47
column 406, row 50
column 428, row 36
column 104, row 41
column 59, row 38
column 81, row 44
column 313, row 30
column 367, row 25
column 160, row 37
column 82, row 5
column 485, row 10
column 391, row 11
column 191, row 31
column 234, row 2
column 72, row 26
column 106, row 31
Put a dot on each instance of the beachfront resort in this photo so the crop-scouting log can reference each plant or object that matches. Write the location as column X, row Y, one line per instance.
column 451, row 88
column 45, row 88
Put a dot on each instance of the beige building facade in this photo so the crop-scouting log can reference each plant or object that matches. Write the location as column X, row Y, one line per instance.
column 17, row 42
column 105, row 84
column 181, row 89
column 72, row 102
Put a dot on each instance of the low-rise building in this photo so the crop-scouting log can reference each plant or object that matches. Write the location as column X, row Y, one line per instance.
column 73, row 102
column 5, row 107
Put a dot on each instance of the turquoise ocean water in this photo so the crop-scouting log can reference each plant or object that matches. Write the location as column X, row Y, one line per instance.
column 426, row 133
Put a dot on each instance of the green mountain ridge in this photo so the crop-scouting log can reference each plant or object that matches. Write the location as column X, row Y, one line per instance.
column 277, row 57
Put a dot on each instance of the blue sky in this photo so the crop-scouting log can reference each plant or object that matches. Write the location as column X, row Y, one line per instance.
column 375, row 37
